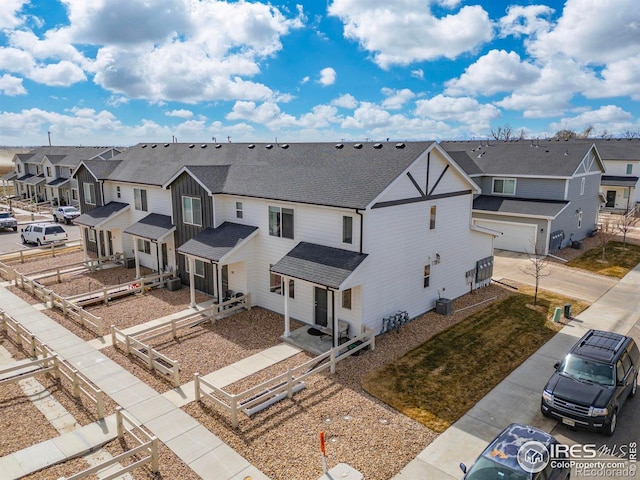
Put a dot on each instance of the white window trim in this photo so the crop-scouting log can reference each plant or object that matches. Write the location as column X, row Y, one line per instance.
column 144, row 244
column 196, row 262
column 90, row 187
column 504, row 179
column 184, row 219
column 144, row 200
column 582, row 183
column 92, row 235
column 239, row 210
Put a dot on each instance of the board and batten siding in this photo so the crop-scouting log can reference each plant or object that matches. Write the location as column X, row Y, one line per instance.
column 186, row 185
column 83, row 177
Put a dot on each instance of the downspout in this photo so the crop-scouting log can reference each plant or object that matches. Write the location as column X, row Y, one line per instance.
column 333, row 318
column 102, row 192
column 361, row 228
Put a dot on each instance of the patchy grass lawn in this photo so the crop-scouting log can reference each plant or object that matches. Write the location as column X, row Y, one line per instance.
column 438, row 381
column 618, row 259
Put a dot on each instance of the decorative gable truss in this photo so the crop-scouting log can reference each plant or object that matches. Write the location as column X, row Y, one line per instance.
column 591, row 163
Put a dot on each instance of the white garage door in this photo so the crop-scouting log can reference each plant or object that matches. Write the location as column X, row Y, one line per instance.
column 516, row 237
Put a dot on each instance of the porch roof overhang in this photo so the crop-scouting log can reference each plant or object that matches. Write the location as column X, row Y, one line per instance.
column 58, row 182
column 214, row 244
column 319, row 264
column 153, row 227
column 618, row 181
column 100, row 215
column 34, row 180
column 527, row 207
column 9, row 176
column 25, row 177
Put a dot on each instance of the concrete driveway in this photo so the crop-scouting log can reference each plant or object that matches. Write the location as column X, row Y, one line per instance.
column 517, row 397
column 512, row 266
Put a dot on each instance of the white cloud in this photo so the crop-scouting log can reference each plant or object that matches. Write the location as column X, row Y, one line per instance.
column 406, row 31
column 181, row 113
column 61, row 74
column 458, row 110
column 15, row 60
column 609, row 117
column 367, row 116
column 345, row 101
column 11, row 86
column 537, row 106
column 305, row 80
column 618, row 79
column 593, row 31
column 267, row 113
column 10, row 13
column 497, row 71
column 525, row 20
column 419, row 73
column 327, row 76
column 320, row 116
column 396, row 99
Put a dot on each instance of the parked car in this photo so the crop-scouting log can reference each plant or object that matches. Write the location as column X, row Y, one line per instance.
column 8, row 221
column 65, row 214
column 43, row 233
column 510, row 457
column 592, row 383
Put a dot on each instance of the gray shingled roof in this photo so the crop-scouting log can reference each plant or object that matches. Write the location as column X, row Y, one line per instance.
column 618, row 181
column 9, row 176
column 319, row 264
column 622, row 149
column 57, row 182
column 34, row 179
column 316, row 173
column 62, row 155
column 523, row 157
column 214, row 243
column 26, row 177
column 100, row 214
column 519, row 206
column 152, row 227
column 101, row 169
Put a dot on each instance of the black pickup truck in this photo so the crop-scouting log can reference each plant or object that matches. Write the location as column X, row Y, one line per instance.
column 592, row 383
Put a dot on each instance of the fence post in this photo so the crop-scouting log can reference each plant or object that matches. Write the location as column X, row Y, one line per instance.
column 142, row 285
column 105, row 298
column 127, row 342
column 234, row 411
column 332, row 361
column 58, row 274
column 196, row 385
column 100, row 402
column 289, row 383
column 76, row 383
column 176, row 373
column 113, row 336
column 119, row 422
column 150, row 356
column 21, row 256
column 154, row 455
column 173, row 328
column 64, row 306
column 372, row 338
column 56, row 367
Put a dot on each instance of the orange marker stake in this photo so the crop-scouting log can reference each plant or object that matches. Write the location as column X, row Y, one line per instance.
column 324, row 453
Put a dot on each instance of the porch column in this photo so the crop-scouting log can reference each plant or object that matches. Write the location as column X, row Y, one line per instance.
column 287, row 322
column 219, row 281
column 98, row 232
column 83, row 238
column 136, row 255
column 192, row 281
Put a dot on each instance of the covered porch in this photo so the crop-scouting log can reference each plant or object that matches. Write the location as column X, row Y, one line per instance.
column 156, row 230
column 619, row 192
column 216, row 263
column 328, row 275
column 96, row 232
column 7, row 180
column 32, row 187
column 59, row 191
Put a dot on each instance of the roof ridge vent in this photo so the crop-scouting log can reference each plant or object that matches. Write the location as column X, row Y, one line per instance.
column 154, row 145
column 218, row 145
column 191, row 146
column 284, row 145
column 143, row 146
column 339, row 145
column 166, row 145
column 268, row 146
column 357, row 146
column 400, row 145
column 377, row 146
column 204, row 145
column 251, row 145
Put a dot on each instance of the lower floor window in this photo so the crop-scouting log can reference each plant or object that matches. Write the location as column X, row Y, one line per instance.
column 275, row 282
column 144, row 246
column 346, row 299
column 199, row 267
column 427, row 275
column 92, row 235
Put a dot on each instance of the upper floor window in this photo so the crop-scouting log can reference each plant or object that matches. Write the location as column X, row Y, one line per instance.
column 38, row 170
column 281, row 222
column 89, row 193
column 118, row 194
column 239, row 212
column 505, row 186
column 192, row 210
column 629, row 168
column 347, row 229
column 74, row 194
column 48, row 171
column 432, row 217
column 582, row 182
column 140, row 199
column 19, row 168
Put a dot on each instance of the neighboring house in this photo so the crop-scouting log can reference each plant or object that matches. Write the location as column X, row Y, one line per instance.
column 45, row 173
column 318, row 232
column 540, row 195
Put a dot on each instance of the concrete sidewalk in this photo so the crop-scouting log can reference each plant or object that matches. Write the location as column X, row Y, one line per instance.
column 197, row 447
column 517, row 397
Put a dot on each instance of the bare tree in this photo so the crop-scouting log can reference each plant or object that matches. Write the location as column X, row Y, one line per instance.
column 606, row 233
column 502, row 133
column 586, row 132
column 564, row 135
column 605, row 135
column 625, row 225
column 629, row 134
column 536, row 268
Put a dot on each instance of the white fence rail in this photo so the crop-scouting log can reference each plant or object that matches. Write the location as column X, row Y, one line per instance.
column 284, row 385
column 146, row 451
column 49, row 361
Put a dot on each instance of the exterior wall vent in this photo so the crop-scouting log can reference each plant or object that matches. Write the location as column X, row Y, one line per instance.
column 400, row 145
column 377, row 146
column 339, row 145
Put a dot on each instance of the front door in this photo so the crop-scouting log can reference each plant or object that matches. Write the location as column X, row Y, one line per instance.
column 320, row 306
column 109, row 242
column 611, row 198
column 163, row 259
column 225, row 280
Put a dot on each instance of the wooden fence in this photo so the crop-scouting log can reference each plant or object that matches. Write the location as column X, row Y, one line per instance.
column 284, row 385
column 46, row 360
column 147, row 446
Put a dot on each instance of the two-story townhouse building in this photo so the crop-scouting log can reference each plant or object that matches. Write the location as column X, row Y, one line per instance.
column 539, row 195
column 45, row 173
column 317, row 232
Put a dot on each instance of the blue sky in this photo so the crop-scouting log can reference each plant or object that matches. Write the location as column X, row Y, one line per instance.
column 119, row 72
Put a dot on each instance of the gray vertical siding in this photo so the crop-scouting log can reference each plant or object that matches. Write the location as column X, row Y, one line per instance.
column 83, row 177
column 542, row 188
column 186, row 185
